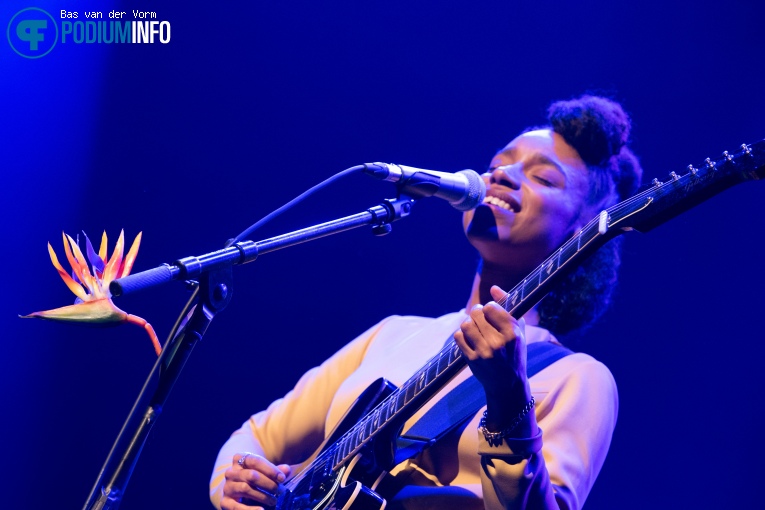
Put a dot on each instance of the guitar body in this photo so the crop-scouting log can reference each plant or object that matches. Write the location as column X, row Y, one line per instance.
column 319, row 487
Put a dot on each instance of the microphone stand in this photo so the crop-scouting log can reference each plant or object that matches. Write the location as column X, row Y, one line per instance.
column 215, row 275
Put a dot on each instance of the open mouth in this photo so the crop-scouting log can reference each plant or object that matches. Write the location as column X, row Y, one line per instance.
column 498, row 202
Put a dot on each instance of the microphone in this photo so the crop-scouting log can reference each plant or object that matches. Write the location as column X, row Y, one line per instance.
column 464, row 190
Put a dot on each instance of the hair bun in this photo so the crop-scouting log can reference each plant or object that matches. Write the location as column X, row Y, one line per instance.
column 595, row 126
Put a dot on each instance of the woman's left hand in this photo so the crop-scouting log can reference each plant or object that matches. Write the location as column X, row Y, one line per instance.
column 495, row 347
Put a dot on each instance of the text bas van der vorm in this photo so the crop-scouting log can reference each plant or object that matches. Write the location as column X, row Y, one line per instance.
column 92, row 27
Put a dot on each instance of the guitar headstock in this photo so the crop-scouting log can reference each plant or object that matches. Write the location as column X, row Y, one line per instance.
column 649, row 208
column 749, row 161
column 661, row 201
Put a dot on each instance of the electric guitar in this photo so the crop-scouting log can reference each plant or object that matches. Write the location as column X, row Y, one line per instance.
column 353, row 460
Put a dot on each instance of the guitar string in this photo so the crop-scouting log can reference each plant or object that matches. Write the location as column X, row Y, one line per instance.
column 392, row 400
column 620, row 210
column 321, row 461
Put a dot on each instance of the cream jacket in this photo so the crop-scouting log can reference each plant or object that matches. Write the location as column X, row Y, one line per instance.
column 576, row 409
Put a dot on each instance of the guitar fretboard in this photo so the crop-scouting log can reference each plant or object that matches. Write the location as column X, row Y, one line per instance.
column 643, row 211
column 405, row 401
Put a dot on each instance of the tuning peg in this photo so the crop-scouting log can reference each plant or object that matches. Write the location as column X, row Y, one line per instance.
column 710, row 164
column 674, row 176
column 656, row 182
column 727, row 156
column 746, row 148
column 692, row 170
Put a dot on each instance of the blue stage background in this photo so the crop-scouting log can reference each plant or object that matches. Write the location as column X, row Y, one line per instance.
column 251, row 104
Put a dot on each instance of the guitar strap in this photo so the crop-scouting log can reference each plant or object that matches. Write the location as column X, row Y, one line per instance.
column 464, row 401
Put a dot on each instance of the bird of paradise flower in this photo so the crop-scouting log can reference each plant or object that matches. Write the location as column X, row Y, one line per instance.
column 91, row 285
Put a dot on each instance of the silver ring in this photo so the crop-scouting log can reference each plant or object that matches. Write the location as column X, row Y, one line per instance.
column 243, row 457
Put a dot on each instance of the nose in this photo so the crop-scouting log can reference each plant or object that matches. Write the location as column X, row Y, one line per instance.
column 505, row 175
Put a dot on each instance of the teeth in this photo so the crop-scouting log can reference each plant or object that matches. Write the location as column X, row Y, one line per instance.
column 497, row 201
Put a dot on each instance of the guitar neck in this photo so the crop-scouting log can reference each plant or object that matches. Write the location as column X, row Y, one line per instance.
column 426, row 382
column 644, row 211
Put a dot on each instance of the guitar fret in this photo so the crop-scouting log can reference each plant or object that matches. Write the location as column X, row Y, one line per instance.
column 350, row 444
column 388, row 408
column 344, row 448
column 443, row 361
column 512, row 298
column 548, row 270
column 529, row 286
column 590, row 232
column 454, row 353
column 385, row 412
column 450, row 355
column 419, row 383
column 409, row 394
column 362, row 434
column 400, row 400
column 392, row 407
column 341, row 450
column 569, row 250
column 432, row 372
column 338, row 455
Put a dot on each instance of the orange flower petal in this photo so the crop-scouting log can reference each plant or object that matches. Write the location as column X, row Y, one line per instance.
column 98, row 312
column 102, row 248
column 72, row 260
column 110, row 273
column 78, row 263
column 73, row 285
column 87, row 279
column 79, row 257
column 127, row 266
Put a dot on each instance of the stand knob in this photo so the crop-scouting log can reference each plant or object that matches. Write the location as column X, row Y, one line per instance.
column 381, row 230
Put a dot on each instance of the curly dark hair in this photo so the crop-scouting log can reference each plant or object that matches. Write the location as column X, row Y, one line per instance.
column 599, row 129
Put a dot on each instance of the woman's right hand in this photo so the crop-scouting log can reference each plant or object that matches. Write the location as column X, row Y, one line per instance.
column 251, row 481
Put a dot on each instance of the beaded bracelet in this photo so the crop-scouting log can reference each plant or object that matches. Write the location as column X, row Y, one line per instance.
column 495, row 438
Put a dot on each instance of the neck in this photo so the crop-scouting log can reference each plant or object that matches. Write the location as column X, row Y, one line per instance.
column 485, row 279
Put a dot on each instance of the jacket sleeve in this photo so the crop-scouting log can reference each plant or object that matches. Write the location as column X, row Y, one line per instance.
column 292, row 427
column 556, row 468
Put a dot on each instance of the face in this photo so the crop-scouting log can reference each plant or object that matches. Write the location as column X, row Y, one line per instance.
column 535, row 199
